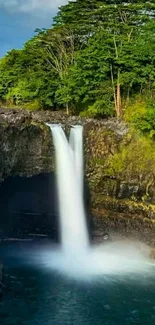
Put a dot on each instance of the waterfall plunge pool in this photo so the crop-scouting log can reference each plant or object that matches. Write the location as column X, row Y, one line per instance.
column 75, row 284
column 35, row 295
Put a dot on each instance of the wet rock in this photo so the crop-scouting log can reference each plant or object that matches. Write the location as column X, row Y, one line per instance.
column 26, row 143
column 127, row 190
column 26, row 147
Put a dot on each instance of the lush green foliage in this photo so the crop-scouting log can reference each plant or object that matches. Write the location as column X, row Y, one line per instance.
column 141, row 115
column 97, row 57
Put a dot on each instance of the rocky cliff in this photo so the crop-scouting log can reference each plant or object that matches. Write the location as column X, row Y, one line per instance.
column 119, row 165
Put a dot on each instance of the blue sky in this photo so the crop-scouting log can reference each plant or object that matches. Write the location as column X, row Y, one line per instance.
column 19, row 19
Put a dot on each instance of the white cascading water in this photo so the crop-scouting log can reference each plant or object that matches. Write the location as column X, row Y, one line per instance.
column 76, row 143
column 76, row 257
column 69, row 161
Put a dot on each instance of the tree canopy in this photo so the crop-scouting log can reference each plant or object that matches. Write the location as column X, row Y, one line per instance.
column 97, row 59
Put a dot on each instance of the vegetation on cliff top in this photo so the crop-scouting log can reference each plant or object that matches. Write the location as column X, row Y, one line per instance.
column 97, row 59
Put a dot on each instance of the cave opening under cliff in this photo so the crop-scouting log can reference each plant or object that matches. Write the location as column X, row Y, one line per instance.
column 29, row 207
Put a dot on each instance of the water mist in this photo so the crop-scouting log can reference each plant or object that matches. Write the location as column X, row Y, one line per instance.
column 75, row 257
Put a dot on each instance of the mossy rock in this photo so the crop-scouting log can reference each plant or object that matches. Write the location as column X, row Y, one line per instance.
column 122, row 167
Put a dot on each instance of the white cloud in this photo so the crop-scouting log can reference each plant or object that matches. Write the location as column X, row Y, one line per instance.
column 27, row 6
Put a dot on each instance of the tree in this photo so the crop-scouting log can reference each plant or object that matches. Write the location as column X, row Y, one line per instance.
column 26, row 78
column 59, row 52
column 120, row 22
column 94, row 60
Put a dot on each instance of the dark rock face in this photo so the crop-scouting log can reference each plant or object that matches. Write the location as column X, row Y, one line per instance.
column 25, row 145
column 119, row 164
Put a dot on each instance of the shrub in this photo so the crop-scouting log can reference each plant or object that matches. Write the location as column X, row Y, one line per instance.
column 100, row 108
column 142, row 116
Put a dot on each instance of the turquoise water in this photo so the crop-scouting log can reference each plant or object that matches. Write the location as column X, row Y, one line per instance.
column 37, row 296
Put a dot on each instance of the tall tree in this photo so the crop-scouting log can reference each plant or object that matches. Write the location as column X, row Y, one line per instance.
column 119, row 20
column 59, row 51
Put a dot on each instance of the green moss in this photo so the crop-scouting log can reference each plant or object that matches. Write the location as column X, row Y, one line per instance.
column 32, row 106
column 121, row 167
column 135, row 111
column 42, row 126
column 5, row 124
column 128, row 206
column 136, row 158
column 141, row 115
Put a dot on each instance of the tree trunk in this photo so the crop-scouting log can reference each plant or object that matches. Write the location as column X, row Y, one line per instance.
column 67, row 109
column 113, row 87
column 118, row 97
column 116, row 92
column 118, row 110
column 118, row 86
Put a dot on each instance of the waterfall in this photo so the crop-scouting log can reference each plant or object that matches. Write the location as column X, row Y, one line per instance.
column 75, row 257
column 69, row 163
column 76, row 143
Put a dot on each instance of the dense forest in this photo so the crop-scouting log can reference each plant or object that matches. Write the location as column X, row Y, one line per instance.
column 97, row 59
